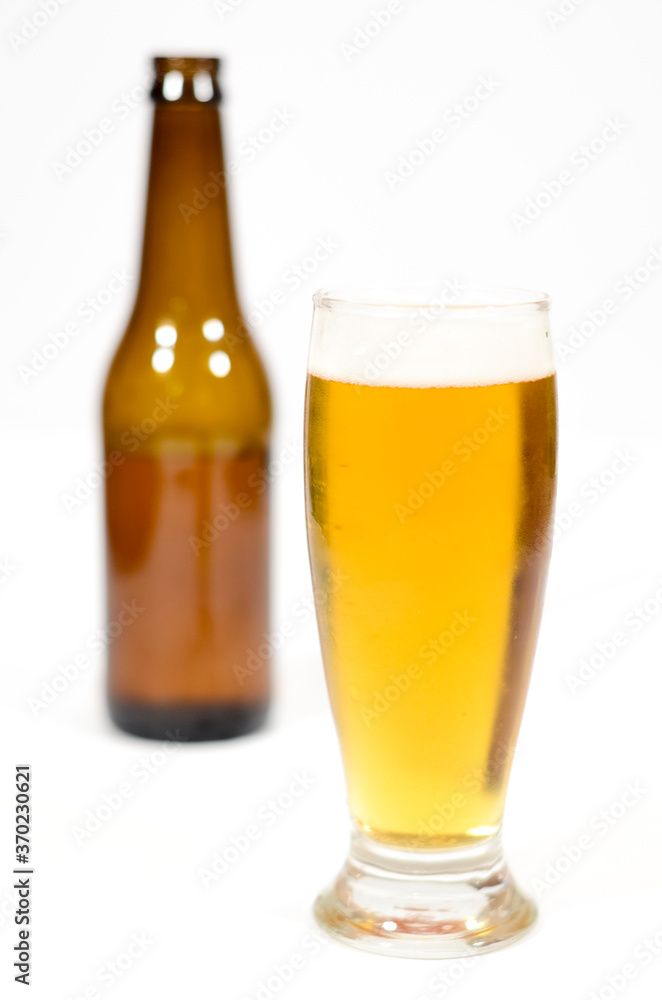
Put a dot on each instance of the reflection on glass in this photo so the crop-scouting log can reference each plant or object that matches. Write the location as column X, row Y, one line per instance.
column 166, row 335
column 213, row 330
column 173, row 85
column 219, row 363
column 203, row 87
column 162, row 359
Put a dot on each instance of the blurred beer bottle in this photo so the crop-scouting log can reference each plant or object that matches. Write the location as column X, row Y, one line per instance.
column 186, row 423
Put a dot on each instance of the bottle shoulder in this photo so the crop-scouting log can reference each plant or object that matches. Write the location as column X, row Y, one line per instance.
column 207, row 375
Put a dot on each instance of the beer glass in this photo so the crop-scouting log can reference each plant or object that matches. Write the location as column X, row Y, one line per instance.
column 430, row 485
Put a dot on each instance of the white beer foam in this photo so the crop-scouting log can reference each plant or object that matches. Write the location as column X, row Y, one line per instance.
column 368, row 343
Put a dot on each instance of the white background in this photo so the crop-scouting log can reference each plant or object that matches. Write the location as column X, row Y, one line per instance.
column 355, row 114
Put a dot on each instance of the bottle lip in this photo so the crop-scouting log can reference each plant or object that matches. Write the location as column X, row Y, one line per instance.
column 189, row 81
column 188, row 66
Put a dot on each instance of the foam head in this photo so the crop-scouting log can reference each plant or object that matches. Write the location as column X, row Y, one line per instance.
column 426, row 338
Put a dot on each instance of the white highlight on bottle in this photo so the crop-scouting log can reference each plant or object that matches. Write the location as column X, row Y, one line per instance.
column 165, row 336
column 203, row 87
column 163, row 359
column 417, row 338
column 219, row 363
column 213, row 330
column 173, row 85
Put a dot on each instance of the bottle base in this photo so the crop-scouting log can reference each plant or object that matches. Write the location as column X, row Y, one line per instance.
column 412, row 904
column 188, row 722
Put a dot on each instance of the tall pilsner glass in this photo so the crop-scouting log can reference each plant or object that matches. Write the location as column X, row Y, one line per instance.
column 430, row 485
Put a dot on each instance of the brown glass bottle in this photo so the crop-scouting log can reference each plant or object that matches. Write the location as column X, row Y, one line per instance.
column 186, row 424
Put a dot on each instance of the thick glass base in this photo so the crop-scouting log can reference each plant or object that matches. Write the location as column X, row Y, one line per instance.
column 419, row 904
column 188, row 723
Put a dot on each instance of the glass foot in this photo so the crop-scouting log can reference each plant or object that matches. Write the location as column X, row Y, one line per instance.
column 420, row 904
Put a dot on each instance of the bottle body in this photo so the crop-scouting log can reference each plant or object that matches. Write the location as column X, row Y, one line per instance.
column 186, row 429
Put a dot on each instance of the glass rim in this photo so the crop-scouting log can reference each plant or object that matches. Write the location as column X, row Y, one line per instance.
column 410, row 299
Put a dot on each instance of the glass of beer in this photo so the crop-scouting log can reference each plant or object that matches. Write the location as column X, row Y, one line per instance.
column 430, row 486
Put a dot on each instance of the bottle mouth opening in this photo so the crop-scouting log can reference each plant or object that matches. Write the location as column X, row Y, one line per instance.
column 188, row 66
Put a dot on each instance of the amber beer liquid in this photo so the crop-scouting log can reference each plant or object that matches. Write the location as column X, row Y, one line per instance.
column 186, row 426
column 432, row 503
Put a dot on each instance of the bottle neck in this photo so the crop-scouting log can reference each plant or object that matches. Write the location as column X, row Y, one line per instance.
column 186, row 251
